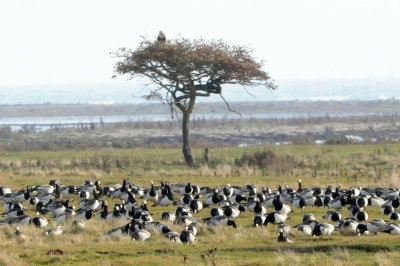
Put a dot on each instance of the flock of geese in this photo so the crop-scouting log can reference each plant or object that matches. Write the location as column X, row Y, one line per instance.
column 224, row 204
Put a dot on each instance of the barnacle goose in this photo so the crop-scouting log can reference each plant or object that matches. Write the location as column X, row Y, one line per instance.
column 284, row 228
column 151, row 195
column 168, row 216
column 282, row 238
column 22, row 219
column 332, row 216
column 275, row 218
column 196, row 205
column 347, row 226
column 174, row 237
column 216, row 212
column 90, row 204
column 219, row 221
column 304, row 229
column 394, row 216
column 18, row 234
column 39, row 222
column 323, row 229
column 55, row 231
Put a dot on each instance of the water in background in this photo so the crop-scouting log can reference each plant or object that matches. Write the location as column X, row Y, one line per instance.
column 130, row 92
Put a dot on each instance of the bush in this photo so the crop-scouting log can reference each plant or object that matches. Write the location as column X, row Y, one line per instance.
column 269, row 161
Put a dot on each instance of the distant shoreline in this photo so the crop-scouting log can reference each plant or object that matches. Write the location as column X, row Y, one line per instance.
column 265, row 107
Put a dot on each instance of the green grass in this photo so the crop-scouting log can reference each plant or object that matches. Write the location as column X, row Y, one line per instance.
column 244, row 246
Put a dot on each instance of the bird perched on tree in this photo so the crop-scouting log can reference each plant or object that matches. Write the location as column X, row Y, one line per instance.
column 161, row 37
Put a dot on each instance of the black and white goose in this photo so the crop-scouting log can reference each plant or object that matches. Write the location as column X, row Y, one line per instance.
column 119, row 231
column 174, row 237
column 362, row 202
column 151, row 195
column 375, row 226
column 361, row 216
column 167, row 199
column 43, row 189
column 227, row 191
column 157, row 227
column 22, row 219
column 386, row 209
column 216, row 212
column 196, row 205
column 353, row 210
column 184, row 218
column 78, row 225
column 258, row 208
column 67, row 215
column 374, row 200
column 68, row 190
column 285, row 228
column 219, row 221
column 185, row 199
column 259, row 220
column 332, row 216
column 311, row 223
column 55, row 208
column 237, row 198
column 394, row 216
column 187, row 237
column 115, row 214
column 83, row 214
column 13, row 212
column 18, row 196
column 18, row 234
column 323, row 229
column 338, row 203
column 282, row 238
column 347, row 226
column 279, row 206
column 168, row 216
column 188, row 188
column 308, row 217
column 304, row 229
column 215, row 198
column 304, row 192
column 55, row 231
column 5, row 190
column 233, row 211
column 119, row 189
column 275, row 218
column 299, row 202
column 12, row 205
column 395, row 203
column 140, row 235
column 90, row 204
column 39, row 222
column 395, row 229
column 104, row 213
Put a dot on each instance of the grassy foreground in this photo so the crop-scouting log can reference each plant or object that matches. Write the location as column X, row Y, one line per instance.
column 316, row 165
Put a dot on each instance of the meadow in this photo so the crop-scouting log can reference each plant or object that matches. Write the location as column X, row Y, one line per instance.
column 347, row 165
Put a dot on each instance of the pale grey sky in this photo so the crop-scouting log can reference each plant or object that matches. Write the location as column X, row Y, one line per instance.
column 68, row 42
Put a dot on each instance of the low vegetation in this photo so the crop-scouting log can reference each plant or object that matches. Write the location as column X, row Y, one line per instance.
column 349, row 165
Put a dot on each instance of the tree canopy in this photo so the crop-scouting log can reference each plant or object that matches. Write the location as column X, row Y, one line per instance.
column 183, row 69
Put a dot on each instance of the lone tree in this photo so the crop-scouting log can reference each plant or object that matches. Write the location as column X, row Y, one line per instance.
column 183, row 69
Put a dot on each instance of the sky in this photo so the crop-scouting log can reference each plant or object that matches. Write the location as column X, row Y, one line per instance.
column 67, row 42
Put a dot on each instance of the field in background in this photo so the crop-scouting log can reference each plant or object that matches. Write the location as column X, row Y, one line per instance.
column 349, row 165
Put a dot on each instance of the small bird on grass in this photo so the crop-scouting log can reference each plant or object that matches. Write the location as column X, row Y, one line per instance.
column 282, row 238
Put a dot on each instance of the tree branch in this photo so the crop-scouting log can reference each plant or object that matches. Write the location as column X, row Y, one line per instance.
column 229, row 107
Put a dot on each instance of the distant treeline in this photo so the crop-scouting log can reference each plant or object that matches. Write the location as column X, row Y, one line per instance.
column 269, row 107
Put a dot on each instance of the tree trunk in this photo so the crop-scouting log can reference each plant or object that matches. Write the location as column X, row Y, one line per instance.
column 187, row 153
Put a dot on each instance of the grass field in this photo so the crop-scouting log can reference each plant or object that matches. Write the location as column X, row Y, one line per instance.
column 356, row 165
